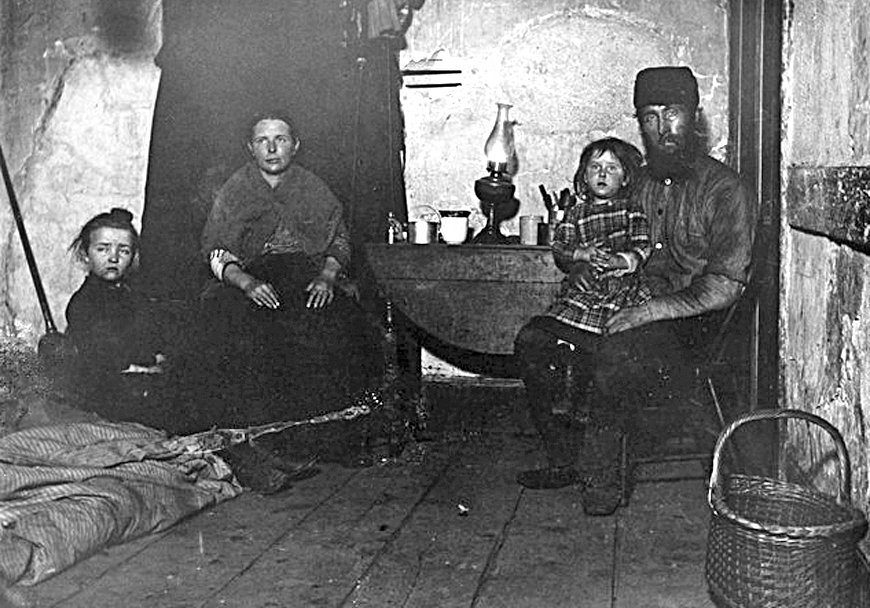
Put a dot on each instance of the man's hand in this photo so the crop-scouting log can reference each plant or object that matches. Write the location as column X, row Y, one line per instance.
column 603, row 260
column 586, row 254
column 321, row 291
column 628, row 318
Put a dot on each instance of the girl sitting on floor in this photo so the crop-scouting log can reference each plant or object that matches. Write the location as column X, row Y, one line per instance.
column 108, row 327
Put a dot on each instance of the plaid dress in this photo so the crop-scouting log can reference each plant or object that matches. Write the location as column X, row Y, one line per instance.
column 621, row 226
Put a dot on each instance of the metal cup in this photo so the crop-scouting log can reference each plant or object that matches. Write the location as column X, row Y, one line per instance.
column 422, row 232
column 529, row 229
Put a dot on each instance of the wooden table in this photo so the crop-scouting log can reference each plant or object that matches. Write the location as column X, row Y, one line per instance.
column 474, row 297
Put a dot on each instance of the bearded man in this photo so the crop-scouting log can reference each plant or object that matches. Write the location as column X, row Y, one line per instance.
column 702, row 221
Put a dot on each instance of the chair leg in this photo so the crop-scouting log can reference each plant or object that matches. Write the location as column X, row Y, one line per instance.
column 711, row 388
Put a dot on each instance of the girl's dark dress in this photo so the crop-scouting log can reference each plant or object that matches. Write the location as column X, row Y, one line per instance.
column 104, row 322
column 108, row 329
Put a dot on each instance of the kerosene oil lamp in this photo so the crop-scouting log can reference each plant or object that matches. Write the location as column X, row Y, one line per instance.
column 497, row 189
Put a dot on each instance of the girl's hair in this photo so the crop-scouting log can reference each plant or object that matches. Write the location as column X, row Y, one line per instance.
column 116, row 218
column 626, row 153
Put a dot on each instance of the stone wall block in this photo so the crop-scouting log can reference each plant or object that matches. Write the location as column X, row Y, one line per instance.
column 859, row 104
column 831, row 200
column 825, row 306
column 826, row 364
column 822, row 83
column 806, row 341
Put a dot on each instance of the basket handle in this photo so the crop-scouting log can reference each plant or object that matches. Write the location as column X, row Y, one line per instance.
column 845, row 493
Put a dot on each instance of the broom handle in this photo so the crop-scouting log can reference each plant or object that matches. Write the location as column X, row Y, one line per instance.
column 25, row 242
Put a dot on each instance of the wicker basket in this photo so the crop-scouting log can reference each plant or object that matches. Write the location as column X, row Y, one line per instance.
column 775, row 544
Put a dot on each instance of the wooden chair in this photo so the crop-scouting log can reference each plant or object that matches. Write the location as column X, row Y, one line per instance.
column 718, row 393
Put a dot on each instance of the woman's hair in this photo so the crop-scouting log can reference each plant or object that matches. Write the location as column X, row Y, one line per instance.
column 274, row 114
column 115, row 218
column 626, row 153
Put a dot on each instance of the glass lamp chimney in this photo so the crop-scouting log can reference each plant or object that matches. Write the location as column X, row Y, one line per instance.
column 499, row 148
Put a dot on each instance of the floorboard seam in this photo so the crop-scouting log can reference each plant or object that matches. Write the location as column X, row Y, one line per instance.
column 278, row 539
column 417, row 571
column 388, row 543
column 80, row 588
column 495, row 550
column 614, row 560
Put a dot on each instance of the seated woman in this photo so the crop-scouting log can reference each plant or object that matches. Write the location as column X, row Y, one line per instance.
column 281, row 333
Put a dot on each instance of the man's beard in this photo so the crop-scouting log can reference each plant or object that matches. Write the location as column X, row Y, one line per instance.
column 675, row 165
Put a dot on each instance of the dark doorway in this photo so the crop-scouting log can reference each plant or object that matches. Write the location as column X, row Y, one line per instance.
column 755, row 41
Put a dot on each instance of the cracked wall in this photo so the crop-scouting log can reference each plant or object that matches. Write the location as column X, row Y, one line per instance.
column 77, row 94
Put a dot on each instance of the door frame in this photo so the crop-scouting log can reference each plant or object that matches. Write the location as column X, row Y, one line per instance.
column 755, row 31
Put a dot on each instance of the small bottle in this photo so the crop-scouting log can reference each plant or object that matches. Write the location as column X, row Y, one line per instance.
column 395, row 233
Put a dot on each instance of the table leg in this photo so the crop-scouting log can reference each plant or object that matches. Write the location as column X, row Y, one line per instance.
column 401, row 385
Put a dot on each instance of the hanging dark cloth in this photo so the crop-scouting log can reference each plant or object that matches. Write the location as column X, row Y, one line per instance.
column 221, row 61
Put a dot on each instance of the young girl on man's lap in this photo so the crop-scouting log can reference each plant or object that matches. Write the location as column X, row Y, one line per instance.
column 603, row 240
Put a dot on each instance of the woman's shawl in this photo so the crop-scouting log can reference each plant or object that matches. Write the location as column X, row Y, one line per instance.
column 247, row 212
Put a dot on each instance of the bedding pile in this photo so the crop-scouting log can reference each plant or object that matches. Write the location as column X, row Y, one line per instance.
column 69, row 490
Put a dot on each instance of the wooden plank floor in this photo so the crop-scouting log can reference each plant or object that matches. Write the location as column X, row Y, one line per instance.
column 444, row 525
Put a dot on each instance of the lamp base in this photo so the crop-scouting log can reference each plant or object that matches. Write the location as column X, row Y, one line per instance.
column 492, row 190
column 490, row 235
